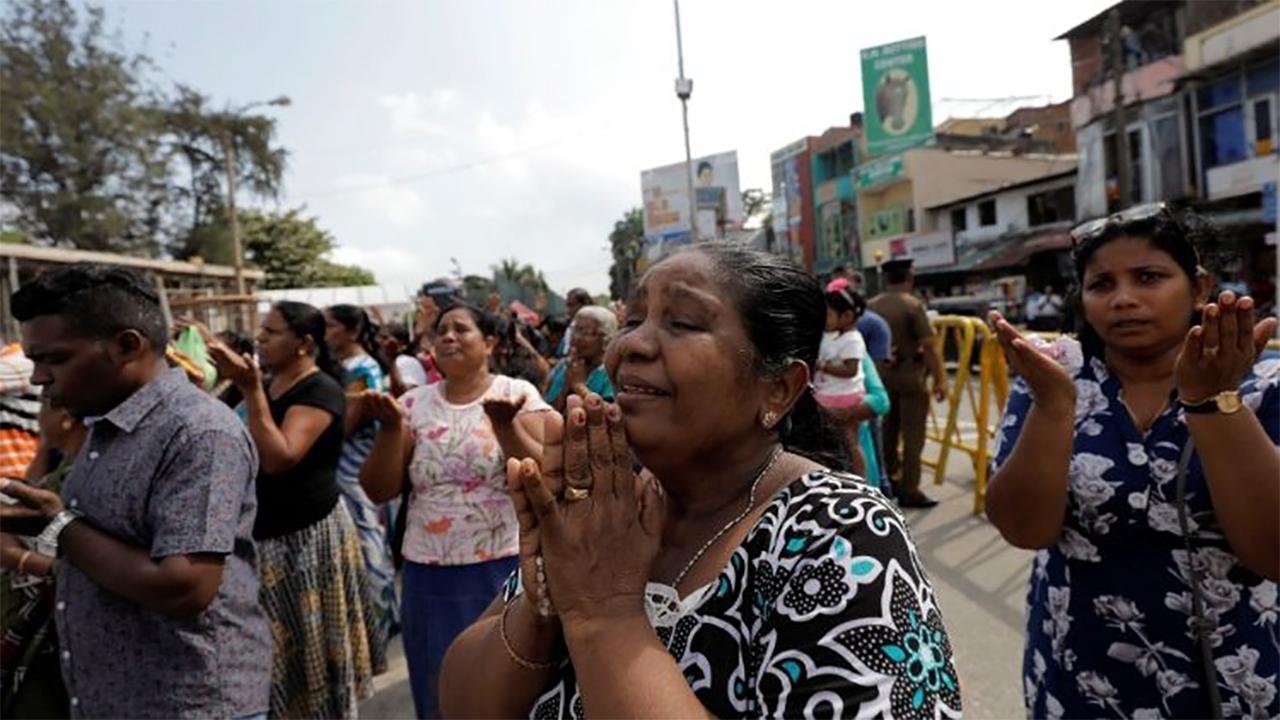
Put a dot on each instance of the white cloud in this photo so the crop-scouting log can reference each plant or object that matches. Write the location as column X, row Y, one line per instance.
column 399, row 205
column 411, row 112
column 390, row 265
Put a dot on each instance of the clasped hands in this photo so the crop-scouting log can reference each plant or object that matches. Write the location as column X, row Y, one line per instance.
column 596, row 525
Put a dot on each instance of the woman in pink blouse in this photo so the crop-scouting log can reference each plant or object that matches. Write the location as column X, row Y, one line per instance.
column 450, row 441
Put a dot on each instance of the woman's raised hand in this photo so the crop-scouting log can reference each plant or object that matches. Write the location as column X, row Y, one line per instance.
column 1050, row 384
column 1222, row 348
column 241, row 370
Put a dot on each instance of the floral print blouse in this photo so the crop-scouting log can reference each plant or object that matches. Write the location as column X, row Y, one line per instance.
column 1110, row 620
column 823, row 611
column 460, row 511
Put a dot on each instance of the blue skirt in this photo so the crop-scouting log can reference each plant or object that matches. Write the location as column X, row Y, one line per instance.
column 440, row 601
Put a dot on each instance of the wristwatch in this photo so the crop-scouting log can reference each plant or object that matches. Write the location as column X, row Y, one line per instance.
column 1225, row 402
column 47, row 540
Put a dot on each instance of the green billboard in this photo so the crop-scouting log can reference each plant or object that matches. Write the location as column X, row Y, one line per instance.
column 895, row 93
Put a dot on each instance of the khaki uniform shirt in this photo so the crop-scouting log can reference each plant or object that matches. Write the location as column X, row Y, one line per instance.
column 909, row 324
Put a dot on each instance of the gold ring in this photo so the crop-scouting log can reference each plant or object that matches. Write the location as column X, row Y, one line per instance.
column 1211, row 351
column 573, row 494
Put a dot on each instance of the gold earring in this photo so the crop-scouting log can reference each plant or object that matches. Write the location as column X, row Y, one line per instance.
column 769, row 420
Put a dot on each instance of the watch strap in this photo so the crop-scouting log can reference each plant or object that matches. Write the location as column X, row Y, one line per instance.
column 1213, row 404
column 47, row 540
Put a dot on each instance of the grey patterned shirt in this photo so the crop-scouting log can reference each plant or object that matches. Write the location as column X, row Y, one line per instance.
column 171, row 470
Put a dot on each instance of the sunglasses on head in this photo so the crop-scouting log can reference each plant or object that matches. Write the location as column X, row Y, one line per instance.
column 1092, row 229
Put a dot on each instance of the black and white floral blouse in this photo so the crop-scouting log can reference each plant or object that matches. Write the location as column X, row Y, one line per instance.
column 824, row 611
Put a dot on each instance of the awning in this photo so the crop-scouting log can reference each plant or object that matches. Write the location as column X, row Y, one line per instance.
column 1000, row 255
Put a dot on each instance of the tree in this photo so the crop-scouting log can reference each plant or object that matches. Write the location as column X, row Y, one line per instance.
column 523, row 276
column 626, row 242
column 97, row 156
column 80, row 165
column 195, row 139
column 292, row 250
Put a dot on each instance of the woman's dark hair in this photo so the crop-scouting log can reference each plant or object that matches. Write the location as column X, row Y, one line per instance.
column 785, row 314
column 485, row 321
column 399, row 331
column 510, row 358
column 847, row 300
column 238, row 342
column 354, row 317
column 1183, row 234
column 306, row 321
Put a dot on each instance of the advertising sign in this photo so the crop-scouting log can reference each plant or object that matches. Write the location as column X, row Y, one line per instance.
column 878, row 172
column 931, row 250
column 895, row 92
column 666, row 203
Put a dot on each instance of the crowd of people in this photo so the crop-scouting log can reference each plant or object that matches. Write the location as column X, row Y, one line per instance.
column 687, row 503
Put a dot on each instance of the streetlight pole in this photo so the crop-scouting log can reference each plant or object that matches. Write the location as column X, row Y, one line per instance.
column 230, row 163
column 684, row 89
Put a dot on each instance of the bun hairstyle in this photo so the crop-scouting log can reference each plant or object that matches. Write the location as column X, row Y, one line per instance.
column 784, row 312
column 842, row 298
column 353, row 317
column 306, row 321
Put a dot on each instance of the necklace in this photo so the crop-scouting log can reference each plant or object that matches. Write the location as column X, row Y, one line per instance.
column 751, row 503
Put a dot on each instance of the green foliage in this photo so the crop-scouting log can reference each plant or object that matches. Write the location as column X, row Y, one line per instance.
column 96, row 156
column 200, row 141
column 521, row 275
column 80, row 163
column 626, row 242
column 293, row 250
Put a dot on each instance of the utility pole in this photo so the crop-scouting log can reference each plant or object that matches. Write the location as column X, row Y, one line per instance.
column 246, row 311
column 1115, row 52
column 684, row 89
column 237, row 247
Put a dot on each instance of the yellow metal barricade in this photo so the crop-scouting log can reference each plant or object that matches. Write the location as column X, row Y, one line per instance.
column 975, row 345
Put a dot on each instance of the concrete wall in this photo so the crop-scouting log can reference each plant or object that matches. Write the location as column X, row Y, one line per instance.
column 940, row 177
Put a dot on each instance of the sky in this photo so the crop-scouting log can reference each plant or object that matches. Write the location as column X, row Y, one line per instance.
column 424, row 133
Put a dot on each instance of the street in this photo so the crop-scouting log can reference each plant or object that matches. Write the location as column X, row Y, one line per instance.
column 980, row 581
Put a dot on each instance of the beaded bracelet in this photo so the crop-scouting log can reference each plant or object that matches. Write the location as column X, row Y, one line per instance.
column 511, row 652
column 543, row 603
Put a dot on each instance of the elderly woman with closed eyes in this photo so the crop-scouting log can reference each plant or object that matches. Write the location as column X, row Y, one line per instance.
column 738, row 575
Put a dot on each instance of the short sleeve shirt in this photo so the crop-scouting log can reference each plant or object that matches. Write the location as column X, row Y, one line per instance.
column 460, row 510
column 838, row 348
column 908, row 323
column 169, row 470
column 875, row 332
column 305, row 493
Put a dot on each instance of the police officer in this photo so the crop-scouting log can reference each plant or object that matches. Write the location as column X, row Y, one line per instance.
column 913, row 357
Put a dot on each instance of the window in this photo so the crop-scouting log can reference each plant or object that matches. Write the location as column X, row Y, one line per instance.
column 959, row 220
column 1220, row 94
column 1262, row 130
column 1222, row 138
column 1137, row 166
column 1166, row 152
column 987, row 213
column 1052, row 206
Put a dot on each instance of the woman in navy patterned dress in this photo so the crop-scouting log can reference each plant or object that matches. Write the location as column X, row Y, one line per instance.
column 1089, row 471
column 735, row 576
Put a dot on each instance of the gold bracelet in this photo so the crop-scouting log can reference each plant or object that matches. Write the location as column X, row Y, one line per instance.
column 22, row 562
column 516, row 657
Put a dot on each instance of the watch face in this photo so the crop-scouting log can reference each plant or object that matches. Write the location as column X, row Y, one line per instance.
column 1229, row 402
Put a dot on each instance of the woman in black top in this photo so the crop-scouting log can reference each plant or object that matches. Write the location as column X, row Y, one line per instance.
column 312, row 573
